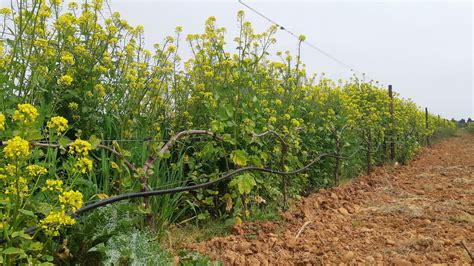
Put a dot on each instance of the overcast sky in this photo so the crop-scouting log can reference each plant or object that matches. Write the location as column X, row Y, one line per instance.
column 424, row 49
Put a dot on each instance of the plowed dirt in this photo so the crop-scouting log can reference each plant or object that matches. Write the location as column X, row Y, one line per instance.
column 406, row 215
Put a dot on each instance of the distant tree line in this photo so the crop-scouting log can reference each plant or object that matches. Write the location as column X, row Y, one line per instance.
column 463, row 122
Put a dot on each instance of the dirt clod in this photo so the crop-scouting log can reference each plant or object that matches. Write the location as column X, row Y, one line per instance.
column 348, row 256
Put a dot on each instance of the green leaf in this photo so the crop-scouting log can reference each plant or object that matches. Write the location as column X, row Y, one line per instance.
column 94, row 141
column 239, row 157
column 229, row 110
column 244, row 183
column 228, row 138
column 22, row 235
column 12, row 251
column 34, row 134
column 165, row 155
column 64, row 141
column 37, row 246
column 27, row 212
column 203, row 215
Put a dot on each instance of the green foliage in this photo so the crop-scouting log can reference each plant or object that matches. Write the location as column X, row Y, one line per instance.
column 243, row 184
column 132, row 248
column 196, row 259
column 112, row 235
column 470, row 127
column 38, row 185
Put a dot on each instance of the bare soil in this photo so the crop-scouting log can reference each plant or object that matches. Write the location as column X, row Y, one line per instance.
column 400, row 215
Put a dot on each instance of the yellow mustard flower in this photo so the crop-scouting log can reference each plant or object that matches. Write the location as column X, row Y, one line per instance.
column 83, row 165
column 2, row 121
column 80, row 147
column 73, row 106
column 295, row 122
column 71, row 200
column 53, row 185
column 67, row 58
column 99, row 88
column 73, row 5
column 65, row 80
column 5, row 11
column 18, row 187
column 17, row 148
column 25, row 114
column 58, row 123
column 53, row 222
column 114, row 165
column 36, row 170
column 10, row 169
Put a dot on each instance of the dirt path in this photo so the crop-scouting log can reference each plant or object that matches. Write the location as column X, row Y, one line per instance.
column 414, row 214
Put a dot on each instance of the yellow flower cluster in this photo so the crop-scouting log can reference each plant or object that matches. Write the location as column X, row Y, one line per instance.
column 99, row 88
column 80, row 147
column 5, row 11
column 25, row 114
column 58, row 123
column 53, row 185
column 17, row 149
column 71, row 200
column 295, row 122
column 10, row 169
column 36, row 170
column 67, row 58
column 2, row 121
column 83, row 165
column 73, row 106
column 54, row 221
column 18, row 188
column 65, row 80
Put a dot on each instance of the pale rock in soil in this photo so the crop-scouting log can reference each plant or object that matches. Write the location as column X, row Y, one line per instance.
column 356, row 208
column 365, row 230
column 243, row 246
column 348, row 256
column 369, row 259
column 343, row 211
column 401, row 262
column 253, row 261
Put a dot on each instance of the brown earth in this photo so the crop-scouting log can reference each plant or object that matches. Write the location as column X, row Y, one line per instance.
column 406, row 215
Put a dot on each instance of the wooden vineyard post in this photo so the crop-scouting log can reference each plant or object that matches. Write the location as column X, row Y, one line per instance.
column 337, row 167
column 392, row 131
column 369, row 152
column 426, row 120
column 284, row 177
